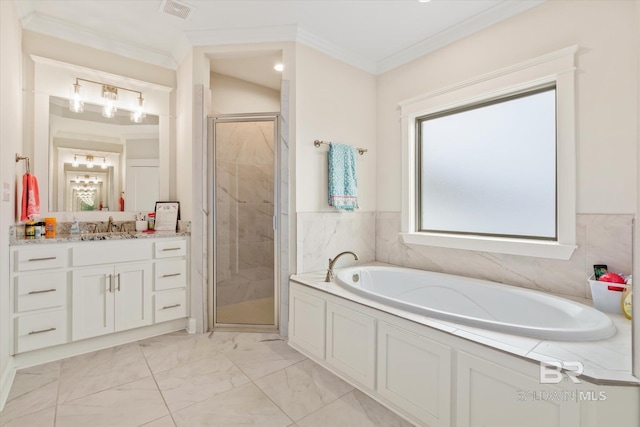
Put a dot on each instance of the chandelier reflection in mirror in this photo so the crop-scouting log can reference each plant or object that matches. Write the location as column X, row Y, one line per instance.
column 109, row 97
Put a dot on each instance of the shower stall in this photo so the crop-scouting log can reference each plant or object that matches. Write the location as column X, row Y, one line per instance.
column 244, row 261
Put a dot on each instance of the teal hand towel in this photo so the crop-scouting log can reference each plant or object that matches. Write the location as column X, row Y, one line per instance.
column 343, row 179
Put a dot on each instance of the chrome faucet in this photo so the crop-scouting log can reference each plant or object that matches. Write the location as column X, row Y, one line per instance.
column 110, row 225
column 332, row 262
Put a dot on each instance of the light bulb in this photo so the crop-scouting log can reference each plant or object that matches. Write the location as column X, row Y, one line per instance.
column 104, row 163
column 75, row 161
column 89, row 162
column 76, row 104
column 278, row 67
column 138, row 114
column 110, row 96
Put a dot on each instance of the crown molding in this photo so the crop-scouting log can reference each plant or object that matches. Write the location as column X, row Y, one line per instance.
column 73, row 33
column 284, row 33
column 287, row 33
column 500, row 12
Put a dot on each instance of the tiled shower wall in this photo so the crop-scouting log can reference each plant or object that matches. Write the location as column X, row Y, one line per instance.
column 602, row 239
column 244, row 211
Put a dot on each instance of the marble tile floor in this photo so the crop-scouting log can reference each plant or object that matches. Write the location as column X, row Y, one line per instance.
column 181, row 380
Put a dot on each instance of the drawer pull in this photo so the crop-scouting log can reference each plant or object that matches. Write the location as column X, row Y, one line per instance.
column 171, row 306
column 48, row 258
column 171, row 275
column 170, row 249
column 41, row 292
column 42, row 331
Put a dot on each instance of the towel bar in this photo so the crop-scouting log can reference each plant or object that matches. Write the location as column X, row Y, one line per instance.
column 19, row 157
column 317, row 143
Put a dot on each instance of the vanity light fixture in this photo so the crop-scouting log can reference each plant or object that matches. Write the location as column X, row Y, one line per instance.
column 86, row 179
column 91, row 159
column 110, row 98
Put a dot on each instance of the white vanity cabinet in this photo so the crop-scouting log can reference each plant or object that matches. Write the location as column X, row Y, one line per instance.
column 170, row 283
column 39, row 297
column 111, row 298
column 71, row 291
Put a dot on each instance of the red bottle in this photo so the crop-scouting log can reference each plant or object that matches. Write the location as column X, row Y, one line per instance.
column 121, row 202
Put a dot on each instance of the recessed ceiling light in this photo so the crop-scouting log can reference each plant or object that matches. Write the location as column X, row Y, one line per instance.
column 278, row 67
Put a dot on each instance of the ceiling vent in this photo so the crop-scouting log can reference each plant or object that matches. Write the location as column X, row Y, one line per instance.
column 176, row 8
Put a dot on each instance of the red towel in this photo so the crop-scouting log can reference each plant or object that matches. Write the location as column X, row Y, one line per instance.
column 30, row 197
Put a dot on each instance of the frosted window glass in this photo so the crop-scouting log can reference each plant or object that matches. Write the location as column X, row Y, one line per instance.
column 491, row 170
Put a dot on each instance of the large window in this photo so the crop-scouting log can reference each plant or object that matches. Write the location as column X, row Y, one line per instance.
column 490, row 168
column 489, row 163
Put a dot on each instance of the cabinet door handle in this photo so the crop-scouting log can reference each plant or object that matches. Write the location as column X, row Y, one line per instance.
column 48, row 258
column 170, row 306
column 42, row 331
column 170, row 249
column 110, row 288
column 171, row 275
column 118, row 278
column 41, row 292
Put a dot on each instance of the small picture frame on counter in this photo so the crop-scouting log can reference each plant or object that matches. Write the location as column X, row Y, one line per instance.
column 167, row 216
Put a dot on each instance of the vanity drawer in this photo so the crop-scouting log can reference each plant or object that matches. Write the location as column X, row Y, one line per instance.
column 36, row 291
column 40, row 258
column 170, row 305
column 171, row 248
column 111, row 252
column 40, row 330
column 171, row 274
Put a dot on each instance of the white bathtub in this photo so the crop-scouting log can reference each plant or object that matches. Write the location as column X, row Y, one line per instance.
column 478, row 303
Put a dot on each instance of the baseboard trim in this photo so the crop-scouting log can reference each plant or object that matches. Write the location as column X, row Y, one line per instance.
column 6, row 381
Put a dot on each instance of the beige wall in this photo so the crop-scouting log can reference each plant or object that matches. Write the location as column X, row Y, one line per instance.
column 10, row 144
column 230, row 95
column 334, row 102
column 606, row 92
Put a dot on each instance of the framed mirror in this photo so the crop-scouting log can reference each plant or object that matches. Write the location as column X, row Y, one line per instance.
column 102, row 164
column 131, row 162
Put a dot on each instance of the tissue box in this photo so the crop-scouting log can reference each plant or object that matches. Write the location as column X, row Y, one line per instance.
column 605, row 299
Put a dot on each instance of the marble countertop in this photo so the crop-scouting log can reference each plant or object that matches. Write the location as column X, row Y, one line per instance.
column 94, row 237
column 605, row 361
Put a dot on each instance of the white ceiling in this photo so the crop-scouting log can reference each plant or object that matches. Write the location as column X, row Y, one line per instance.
column 374, row 35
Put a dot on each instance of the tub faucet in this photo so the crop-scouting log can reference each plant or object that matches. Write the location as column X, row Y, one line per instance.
column 332, row 262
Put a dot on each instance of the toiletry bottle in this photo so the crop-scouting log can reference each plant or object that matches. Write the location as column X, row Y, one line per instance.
column 121, row 202
column 75, row 227
column 625, row 303
column 30, row 230
column 50, row 227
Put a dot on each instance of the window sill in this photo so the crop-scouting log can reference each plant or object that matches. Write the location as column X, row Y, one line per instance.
column 522, row 247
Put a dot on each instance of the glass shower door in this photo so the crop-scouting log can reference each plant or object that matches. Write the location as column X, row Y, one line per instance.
column 244, row 213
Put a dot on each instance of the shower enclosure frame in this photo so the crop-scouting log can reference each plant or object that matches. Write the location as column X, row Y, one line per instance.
column 212, row 120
